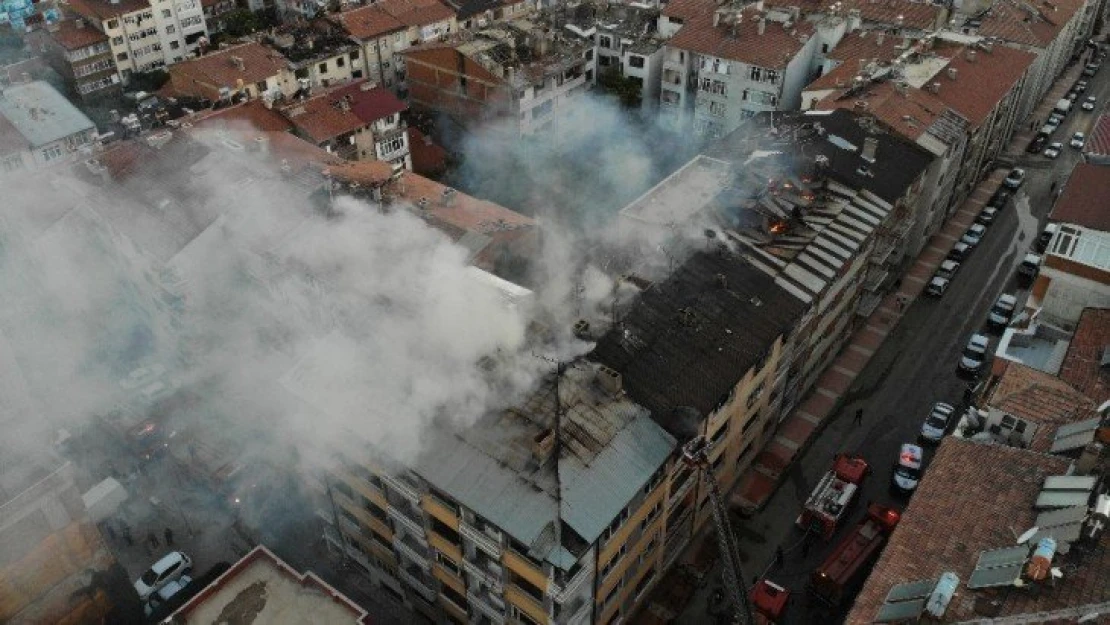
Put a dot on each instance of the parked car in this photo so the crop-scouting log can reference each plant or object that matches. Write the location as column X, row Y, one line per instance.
column 1015, row 178
column 1056, row 118
column 1000, row 198
column 974, row 354
column 1053, row 150
column 937, row 286
column 1049, row 127
column 1037, row 144
column 166, row 594
column 987, row 215
column 974, row 234
column 170, row 567
column 1080, row 86
column 1028, row 269
column 1045, row 237
column 1090, row 69
column 1088, row 104
column 936, row 424
column 1078, row 140
column 907, row 471
column 1072, row 95
column 959, row 251
column 1002, row 311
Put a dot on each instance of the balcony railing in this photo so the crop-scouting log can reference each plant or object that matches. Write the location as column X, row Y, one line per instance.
column 490, row 574
column 403, row 489
column 417, row 584
column 569, row 589
column 482, row 540
column 413, row 551
column 408, row 523
column 683, row 488
column 492, row 607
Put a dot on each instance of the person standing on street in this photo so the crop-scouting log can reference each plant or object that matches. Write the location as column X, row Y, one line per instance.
column 858, row 419
column 168, row 535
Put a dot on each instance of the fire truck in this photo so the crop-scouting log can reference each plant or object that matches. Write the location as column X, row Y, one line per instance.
column 769, row 602
column 850, row 560
column 834, row 495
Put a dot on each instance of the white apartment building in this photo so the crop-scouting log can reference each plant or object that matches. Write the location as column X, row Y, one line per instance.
column 717, row 74
column 146, row 35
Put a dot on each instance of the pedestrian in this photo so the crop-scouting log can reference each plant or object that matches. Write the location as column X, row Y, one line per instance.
column 126, row 531
column 859, row 417
column 1052, row 187
column 168, row 535
column 152, row 539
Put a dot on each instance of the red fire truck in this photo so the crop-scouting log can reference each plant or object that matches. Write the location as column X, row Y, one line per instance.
column 834, row 495
column 850, row 560
column 768, row 602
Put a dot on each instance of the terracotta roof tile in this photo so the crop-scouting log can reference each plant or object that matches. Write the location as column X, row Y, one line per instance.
column 1082, row 362
column 773, row 49
column 918, row 15
column 974, row 497
column 1098, row 141
column 980, row 84
column 250, row 114
column 368, row 22
column 855, row 47
column 104, row 9
column 1011, row 21
column 370, row 104
column 218, row 69
column 367, row 173
column 1084, row 197
column 909, row 113
column 70, row 37
column 331, row 114
column 1047, row 401
column 689, row 9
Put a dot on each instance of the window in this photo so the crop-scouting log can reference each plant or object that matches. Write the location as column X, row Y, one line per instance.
column 756, row 393
column 519, row 615
column 644, row 582
column 323, row 68
column 604, row 41
column 756, row 74
column 717, row 109
column 651, row 515
column 648, row 548
column 526, row 586
column 122, row 56
column 615, row 525
column 772, row 76
column 655, row 480
column 340, row 62
column 354, row 55
column 117, row 41
column 171, row 29
column 635, row 61
column 453, row 596
column 613, row 560
column 604, row 61
column 388, row 147
column 719, row 87
column 589, row 55
column 260, row 86
column 447, row 563
column 113, row 23
column 167, row 13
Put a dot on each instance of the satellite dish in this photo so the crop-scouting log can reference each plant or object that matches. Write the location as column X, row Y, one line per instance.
column 1056, row 573
column 1029, row 533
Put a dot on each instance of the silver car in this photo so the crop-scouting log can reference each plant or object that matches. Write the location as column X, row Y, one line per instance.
column 936, row 424
column 974, row 354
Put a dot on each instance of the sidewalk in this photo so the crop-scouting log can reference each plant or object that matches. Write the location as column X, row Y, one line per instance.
column 759, row 483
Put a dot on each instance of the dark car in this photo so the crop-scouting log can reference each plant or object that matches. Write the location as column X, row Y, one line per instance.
column 1037, row 144
column 1000, row 198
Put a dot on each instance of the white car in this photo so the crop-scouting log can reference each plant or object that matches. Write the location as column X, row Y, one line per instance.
column 974, row 354
column 1089, row 103
column 936, row 424
column 937, row 286
column 1053, row 150
column 1014, row 179
column 1002, row 311
column 974, row 234
column 172, row 566
column 1078, row 140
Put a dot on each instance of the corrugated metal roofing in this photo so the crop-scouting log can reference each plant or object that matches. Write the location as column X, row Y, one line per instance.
column 41, row 114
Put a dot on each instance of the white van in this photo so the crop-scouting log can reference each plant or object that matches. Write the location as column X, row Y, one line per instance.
column 1062, row 107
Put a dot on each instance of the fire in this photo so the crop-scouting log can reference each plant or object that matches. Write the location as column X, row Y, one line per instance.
column 778, row 227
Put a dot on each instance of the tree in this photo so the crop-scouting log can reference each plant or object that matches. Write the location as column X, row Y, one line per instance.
column 241, row 22
column 626, row 89
column 149, row 81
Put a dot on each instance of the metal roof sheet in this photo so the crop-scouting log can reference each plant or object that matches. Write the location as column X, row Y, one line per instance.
column 896, row 612
column 1070, row 482
column 1090, row 425
column 1000, row 576
column 41, row 114
column 1062, row 516
column 1061, row 499
column 1002, row 557
column 911, row 590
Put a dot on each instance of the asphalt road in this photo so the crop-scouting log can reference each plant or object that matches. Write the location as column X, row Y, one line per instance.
column 914, row 368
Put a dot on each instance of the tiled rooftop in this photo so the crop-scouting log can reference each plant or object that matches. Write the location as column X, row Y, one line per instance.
column 322, row 117
column 855, row 47
column 1034, row 23
column 251, row 114
column 369, row 103
column 219, row 69
column 977, row 497
column 1082, row 366
column 980, row 84
column 368, row 22
column 73, row 37
column 742, row 42
column 1039, row 397
column 1083, row 201
column 1098, row 141
column 106, row 9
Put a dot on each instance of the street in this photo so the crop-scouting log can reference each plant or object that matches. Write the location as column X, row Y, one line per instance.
column 914, row 367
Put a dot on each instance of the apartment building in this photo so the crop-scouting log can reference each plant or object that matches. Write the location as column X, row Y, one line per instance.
column 721, row 68
column 826, row 206
column 1051, row 31
column 625, row 45
column 39, row 127
column 478, row 14
column 356, row 122
column 81, row 55
column 516, row 73
column 320, row 54
column 146, row 34
column 248, row 69
column 385, row 29
column 215, row 14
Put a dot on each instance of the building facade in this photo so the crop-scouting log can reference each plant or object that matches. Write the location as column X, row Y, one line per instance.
column 39, row 127
column 82, row 56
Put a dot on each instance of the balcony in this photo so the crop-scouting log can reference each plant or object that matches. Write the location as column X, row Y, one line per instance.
column 407, row 519
column 412, row 549
column 444, row 546
column 522, row 567
column 569, row 589
column 527, row 604
column 682, row 489
column 487, row 572
column 441, row 510
column 484, row 540
column 491, row 606
column 403, row 489
column 416, row 580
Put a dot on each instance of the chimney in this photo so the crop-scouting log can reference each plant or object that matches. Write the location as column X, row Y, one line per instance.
column 262, row 144
column 238, row 63
column 952, row 73
column 971, row 55
column 716, row 18
column 762, row 25
column 78, row 23
column 860, row 105
column 542, row 445
column 870, row 146
column 609, row 379
column 934, row 87
column 879, row 38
